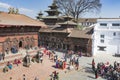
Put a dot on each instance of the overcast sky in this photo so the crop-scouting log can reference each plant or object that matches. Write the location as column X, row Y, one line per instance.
column 110, row 8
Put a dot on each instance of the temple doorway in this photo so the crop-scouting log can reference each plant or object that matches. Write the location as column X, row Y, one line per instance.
column 20, row 44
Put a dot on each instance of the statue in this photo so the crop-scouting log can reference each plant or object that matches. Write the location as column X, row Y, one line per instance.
column 39, row 56
column 5, row 69
column 26, row 61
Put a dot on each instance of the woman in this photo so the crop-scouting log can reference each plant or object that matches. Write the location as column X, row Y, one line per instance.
column 96, row 73
column 64, row 64
column 9, row 65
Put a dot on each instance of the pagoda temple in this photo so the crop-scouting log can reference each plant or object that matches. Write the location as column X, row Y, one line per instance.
column 62, row 33
column 56, row 37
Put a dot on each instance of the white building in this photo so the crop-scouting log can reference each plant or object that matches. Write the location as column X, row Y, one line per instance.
column 106, row 37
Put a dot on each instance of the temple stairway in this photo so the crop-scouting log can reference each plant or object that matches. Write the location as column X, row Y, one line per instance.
column 19, row 55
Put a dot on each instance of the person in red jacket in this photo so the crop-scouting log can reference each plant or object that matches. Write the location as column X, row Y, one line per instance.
column 64, row 64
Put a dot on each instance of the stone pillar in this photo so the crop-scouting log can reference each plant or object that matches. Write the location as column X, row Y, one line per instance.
column 36, row 43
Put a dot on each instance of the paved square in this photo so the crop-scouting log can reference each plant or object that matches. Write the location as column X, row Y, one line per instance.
column 42, row 71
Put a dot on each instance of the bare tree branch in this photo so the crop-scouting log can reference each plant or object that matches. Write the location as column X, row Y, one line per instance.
column 77, row 7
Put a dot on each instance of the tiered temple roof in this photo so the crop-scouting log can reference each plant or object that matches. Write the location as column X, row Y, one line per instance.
column 53, row 14
column 53, row 11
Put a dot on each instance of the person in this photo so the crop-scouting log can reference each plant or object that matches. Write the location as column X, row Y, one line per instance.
column 33, row 59
column 19, row 61
column 49, row 54
column 15, row 62
column 65, row 57
column 3, row 56
column 77, row 64
column 115, row 65
column 55, row 58
column 24, row 77
column 57, row 63
column 0, row 56
column 96, row 74
column 41, row 59
column 10, row 78
column 93, row 61
column 9, row 65
column 45, row 51
column 57, row 76
column 5, row 69
column 60, row 63
column 64, row 65
column 70, row 67
column 7, row 51
column 79, row 53
column 93, row 65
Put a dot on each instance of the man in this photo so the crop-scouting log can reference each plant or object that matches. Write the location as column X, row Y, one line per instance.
column 24, row 77
column 93, row 65
column 57, row 76
column 96, row 73
column 3, row 56
column 0, row 56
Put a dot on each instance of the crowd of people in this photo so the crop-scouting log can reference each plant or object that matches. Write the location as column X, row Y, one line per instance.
column 70, row 61
column 60, row 64
column 38, row 57
column 74, row 61
column 106, row 70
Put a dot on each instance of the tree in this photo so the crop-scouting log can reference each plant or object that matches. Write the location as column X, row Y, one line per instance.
column 13, row 10
column 17, row 11
column 77, row 7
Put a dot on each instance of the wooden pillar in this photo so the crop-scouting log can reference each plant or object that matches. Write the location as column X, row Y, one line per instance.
column 1, row 47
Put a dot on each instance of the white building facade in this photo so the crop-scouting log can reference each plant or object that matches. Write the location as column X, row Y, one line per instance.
column 106, row 37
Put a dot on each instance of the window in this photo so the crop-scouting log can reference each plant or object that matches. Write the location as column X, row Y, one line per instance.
column 101, row 48
column 102, row 36
column 114, row 34
column 102, row 41
column 103, row 24
column 115, row 24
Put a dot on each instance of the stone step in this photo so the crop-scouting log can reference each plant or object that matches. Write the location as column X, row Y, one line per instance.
column 10, row 60
column 12, row 57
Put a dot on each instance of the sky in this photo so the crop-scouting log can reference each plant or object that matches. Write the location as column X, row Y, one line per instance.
column 109, row 9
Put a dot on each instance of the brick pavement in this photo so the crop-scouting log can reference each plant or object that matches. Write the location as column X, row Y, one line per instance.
column 36, row 69
column 85, row 73
column 44, row 70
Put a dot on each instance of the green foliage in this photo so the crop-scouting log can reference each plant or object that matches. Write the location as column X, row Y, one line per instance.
column 80, row 27
column 13, row 10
